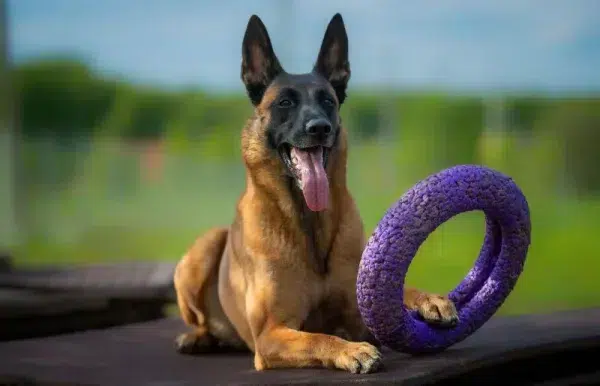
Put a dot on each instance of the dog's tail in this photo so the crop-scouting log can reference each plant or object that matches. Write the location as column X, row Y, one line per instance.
column 194, row 270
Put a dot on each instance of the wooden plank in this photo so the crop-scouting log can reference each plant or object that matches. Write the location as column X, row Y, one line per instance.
column 32, row 314
column 123, row 280
column 143, row 354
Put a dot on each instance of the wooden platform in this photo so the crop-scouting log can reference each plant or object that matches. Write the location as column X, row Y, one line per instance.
column 139, row 279
column 536, row 347
column 49, row 301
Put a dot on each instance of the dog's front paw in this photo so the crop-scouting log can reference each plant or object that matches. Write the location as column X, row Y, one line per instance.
column 359, row 358
column 437, row 310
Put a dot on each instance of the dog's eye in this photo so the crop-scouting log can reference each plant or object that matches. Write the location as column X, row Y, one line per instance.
column 285, row 103
column 328, row 102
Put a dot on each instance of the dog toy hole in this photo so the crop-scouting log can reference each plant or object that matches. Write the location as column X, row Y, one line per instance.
column 447, row 254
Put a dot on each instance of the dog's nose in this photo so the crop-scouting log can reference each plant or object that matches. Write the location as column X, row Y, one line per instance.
column 318, row 127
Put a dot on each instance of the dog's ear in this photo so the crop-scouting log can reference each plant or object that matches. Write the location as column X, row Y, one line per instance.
column 259, row 63
column 332, row 61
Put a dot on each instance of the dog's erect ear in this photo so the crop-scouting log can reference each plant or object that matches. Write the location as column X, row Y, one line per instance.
column 332, row 62
column 259, row 63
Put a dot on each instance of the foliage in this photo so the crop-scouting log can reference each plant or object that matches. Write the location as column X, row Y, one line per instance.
column 61, row 98
column 65, row 99
column 576, row 124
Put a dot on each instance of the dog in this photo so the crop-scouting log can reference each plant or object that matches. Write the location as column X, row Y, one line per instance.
column 280, row 281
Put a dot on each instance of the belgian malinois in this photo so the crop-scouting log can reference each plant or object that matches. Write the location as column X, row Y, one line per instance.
column 281, row 279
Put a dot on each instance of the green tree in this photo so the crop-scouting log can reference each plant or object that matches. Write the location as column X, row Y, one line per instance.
column 61, row 98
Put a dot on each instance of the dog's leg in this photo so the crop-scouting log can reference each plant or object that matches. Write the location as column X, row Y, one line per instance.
column 276, row 345
column 434, row 308
column 282, row 346
column 193, row 275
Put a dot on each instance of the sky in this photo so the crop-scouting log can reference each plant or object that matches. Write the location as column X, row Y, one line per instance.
column 546, row 45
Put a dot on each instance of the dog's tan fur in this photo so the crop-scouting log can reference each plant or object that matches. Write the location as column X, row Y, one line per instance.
column 281, row 280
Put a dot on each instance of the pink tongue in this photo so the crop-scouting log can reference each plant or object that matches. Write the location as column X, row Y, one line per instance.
column 315, row 185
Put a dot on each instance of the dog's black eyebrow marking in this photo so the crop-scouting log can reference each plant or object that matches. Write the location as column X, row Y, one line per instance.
column 322, row 92
column 288, row 92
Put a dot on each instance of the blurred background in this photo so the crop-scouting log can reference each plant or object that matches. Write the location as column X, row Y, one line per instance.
column 120, row 124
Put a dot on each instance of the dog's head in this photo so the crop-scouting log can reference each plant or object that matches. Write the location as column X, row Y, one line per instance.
column 299, row 113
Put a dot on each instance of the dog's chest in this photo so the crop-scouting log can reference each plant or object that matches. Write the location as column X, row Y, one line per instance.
column 327, row 316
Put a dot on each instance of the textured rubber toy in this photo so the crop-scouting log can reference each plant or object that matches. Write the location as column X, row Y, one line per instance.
column 407, row 224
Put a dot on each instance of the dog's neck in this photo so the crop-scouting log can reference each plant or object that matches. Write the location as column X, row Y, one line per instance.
column 319, row 228
column 316, row 227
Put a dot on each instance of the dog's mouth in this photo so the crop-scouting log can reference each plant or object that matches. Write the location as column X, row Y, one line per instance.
column 307, row 167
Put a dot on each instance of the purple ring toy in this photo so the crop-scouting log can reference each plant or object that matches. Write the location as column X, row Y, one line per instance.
column 407, row 224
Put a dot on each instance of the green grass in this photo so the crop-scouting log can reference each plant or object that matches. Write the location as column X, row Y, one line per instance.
column 108, row 214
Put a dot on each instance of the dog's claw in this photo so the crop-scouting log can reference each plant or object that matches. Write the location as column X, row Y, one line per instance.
column 360, row 358
column 438, row 310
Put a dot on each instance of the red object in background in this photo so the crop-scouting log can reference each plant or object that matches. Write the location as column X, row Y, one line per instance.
column 152, row 161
